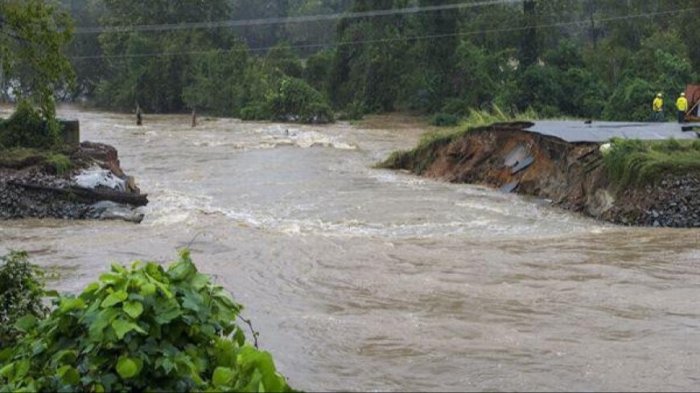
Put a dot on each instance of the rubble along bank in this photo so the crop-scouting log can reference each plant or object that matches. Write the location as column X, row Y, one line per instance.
column 95, row 187
column 571, row 175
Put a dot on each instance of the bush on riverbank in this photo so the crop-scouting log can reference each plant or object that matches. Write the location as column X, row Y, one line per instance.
column 633, row 162
column 27, row 128
column 21, row 291
column 295, row 99
column 140, row 328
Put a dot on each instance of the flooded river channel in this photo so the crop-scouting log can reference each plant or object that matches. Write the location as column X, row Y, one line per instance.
column 367, row 279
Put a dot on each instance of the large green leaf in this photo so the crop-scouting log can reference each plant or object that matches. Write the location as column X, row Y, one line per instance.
column 222, row 376
column 26, row 323
column 168, row 315
column 127, row 367
column 70, row 304
column 133, row 308
column 147, row 289
column 114, row 298
column 122, row 327
column 68, row 375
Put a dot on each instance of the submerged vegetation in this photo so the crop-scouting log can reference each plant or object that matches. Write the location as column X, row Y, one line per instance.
column 635, row 162
column 143, row 328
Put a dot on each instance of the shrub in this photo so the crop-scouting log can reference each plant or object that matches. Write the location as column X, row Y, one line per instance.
column 444, row 120
column 317, row 113
column 295, row 100
column 27, row 128
column 255, row 112
column 353, row 111
column 631, row 100
column 21, row 291
column 140, row 329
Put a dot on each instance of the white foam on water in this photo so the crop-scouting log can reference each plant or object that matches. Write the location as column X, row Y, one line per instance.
column 278, row 135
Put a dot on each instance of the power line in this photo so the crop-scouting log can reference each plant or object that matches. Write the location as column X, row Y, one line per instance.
column 410, row 38
column 288, row 19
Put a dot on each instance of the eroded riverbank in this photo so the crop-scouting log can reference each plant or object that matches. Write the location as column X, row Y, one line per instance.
column 511, row 158
column 367, row 279
column 85, row 182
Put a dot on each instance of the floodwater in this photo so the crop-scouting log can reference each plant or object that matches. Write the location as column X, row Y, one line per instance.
column 367, row 279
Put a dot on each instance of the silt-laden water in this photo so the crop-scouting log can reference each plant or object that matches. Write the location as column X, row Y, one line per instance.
column 367, row 279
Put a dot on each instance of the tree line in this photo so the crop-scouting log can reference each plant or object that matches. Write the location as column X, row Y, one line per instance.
column 599, row 59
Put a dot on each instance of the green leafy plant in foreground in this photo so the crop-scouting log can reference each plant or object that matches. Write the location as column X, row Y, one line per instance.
column 21, row 293
column 143, row 328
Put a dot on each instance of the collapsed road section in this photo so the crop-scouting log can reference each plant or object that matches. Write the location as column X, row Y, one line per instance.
column 565, row 162
column 93, row 186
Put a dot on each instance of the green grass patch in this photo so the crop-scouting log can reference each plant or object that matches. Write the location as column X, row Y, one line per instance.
column 419, row 158
column 444, row 120
column 59, row 162
column 633, row 162
column 9, row 157
column 23, row 157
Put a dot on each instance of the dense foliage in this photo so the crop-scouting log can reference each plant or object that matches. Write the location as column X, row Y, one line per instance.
column 601, row 59
column 144, row 328
column 21, row 293
column 32, row 64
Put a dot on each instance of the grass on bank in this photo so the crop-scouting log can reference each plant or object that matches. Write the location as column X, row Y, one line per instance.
column 420, row 157
column 22, row 157
column 27, row 139
column 634, row 162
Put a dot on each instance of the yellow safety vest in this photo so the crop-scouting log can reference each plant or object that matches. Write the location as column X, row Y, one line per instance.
column 658, row 104
column 682, row 104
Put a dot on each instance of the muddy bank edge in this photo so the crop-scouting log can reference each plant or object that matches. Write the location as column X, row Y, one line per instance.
column 571, row 175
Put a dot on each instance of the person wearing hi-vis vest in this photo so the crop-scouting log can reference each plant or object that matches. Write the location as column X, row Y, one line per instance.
column 657, row 107
column 682, row 106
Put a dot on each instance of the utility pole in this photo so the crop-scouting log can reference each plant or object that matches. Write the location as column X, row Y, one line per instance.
column 528, row 49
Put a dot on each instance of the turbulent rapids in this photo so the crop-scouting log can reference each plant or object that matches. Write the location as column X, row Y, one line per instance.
column 363, row 278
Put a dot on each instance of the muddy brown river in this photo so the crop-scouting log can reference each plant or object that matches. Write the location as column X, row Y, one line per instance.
column 366, row 279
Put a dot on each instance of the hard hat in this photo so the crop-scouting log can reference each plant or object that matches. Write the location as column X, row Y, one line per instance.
column 658, row 94
column 682, row 94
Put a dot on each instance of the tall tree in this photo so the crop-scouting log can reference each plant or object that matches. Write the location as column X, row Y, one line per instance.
column 32, row 35
column 151, row 68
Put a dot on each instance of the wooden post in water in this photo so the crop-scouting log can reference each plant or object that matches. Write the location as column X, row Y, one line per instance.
column 138, row 115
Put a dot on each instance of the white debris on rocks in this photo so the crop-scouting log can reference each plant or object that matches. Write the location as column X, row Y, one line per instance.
column 94, row 177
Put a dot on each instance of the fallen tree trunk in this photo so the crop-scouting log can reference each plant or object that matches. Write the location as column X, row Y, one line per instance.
column 90, row 195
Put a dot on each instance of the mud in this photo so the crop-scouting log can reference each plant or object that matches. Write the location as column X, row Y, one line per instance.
column 569, row 175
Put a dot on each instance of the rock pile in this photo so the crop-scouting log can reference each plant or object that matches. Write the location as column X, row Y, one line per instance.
column 34, row 191
column 676, row 203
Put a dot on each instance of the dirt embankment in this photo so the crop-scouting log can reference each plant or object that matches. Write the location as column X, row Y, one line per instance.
column 571, row 175
column 91, row 186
